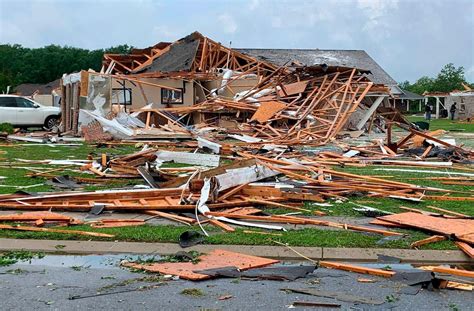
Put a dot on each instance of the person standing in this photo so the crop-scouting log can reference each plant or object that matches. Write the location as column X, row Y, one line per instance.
column 428, row 112
column 453, row 110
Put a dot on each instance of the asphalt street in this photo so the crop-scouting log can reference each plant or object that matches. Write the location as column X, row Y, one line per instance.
column 49, row 283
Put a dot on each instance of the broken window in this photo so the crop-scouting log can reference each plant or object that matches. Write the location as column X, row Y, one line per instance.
column 171, row 97
column 121, row 96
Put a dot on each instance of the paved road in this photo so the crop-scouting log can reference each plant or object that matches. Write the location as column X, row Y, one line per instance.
column 47, row 284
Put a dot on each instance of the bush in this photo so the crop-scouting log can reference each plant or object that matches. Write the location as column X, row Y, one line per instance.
column 7, row 128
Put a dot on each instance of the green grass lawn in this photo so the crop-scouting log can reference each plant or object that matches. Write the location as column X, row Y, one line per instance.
column 15, row 174
column 306, row 237
column 445, row 124
column 302, row 237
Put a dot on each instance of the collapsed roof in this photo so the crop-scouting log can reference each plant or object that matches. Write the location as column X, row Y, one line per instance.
column 309, row 57
column 196, row 53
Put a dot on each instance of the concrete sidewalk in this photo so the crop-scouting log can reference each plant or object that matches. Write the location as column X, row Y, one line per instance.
column 278, row 252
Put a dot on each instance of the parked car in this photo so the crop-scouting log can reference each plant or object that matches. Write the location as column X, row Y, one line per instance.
column 24, row 112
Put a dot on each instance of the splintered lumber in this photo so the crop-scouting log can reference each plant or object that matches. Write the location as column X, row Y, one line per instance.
column 232, row 191
column 169, row 216
column 34, row 216
column 461, row 229
column 357, row 269
column 116, row 223
column 302, row 221
column 451, row 271
column 432, row 239
column 212, row 260
column 466, row 248
column 270, row 203
column 455, row 285
column 221, row 225
column 210, row 173
column 98, row 195
column 123, row 206
column 25, row 228
column 447, row 211
column 439, row 141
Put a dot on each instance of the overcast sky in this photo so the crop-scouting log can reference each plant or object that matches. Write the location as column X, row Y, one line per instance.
column 408, row 38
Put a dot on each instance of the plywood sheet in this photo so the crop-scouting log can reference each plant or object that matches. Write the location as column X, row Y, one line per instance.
column 267, row 110
column 293, row 88
column 463, row 229
column 215, row 259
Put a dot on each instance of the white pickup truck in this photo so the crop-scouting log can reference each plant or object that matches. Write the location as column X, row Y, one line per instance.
column 23, row 112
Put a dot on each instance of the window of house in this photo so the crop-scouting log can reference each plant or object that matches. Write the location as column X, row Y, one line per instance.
column 122, row 96
column 171, row 97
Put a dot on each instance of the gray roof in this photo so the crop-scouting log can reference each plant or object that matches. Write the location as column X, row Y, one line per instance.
column 27, row 89
column 180, row 56
column 346, row 58
column 410, row 95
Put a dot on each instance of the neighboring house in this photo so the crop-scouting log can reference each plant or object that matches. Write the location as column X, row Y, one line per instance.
column 41, row 93
column 464, row 102
column 408, row 100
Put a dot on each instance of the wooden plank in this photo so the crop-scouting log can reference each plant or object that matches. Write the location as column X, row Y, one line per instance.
column 232, row 192
column 462, row 229
column 270, row 203
column 267, row 110
column 432, row 239
column 445, row 211
column 26, row 228
column 221, row 225
column 357, row 269
column 451, row 271
column 466, row 248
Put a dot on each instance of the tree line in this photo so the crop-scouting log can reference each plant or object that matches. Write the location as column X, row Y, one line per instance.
column 448, row 79
column 19, row 64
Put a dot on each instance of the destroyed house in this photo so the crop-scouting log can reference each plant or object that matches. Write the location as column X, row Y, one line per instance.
column 336, row 58
column 188, row 67
column 196, row 80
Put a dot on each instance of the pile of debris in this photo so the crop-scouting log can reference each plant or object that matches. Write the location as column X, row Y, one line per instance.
column 250, row 135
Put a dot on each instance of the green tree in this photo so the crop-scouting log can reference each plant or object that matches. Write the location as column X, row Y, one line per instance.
column 42, row 65
column 448, row 79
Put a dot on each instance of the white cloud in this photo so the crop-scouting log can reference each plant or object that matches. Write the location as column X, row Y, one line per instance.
column 254, row 4
column 228, row 23
column 376, row 12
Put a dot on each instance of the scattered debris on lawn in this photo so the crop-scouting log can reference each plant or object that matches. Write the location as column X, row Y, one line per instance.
column 229, row 140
